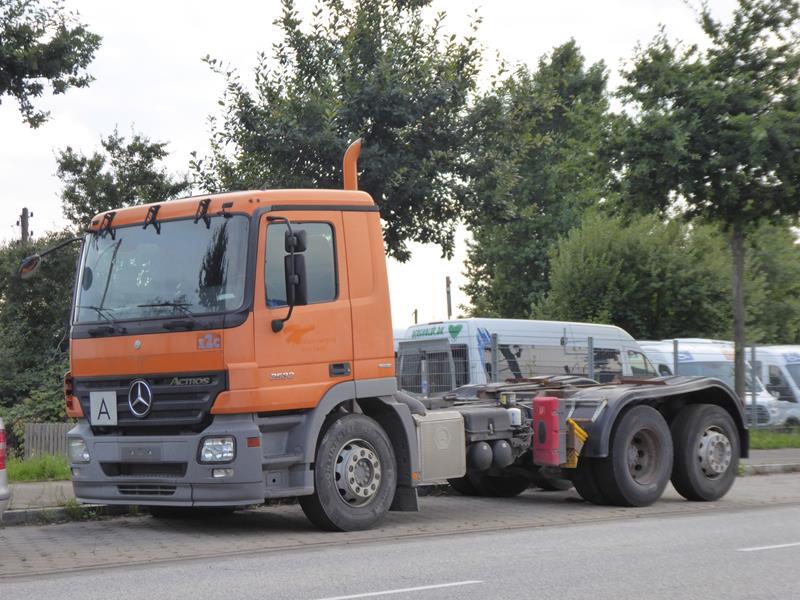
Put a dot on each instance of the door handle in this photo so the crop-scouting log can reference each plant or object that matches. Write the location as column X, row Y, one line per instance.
column 339, row 369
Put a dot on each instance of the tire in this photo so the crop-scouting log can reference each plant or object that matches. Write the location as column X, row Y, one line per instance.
column 463, row 486
column 355, row 476
column 707, row 447
column 585, row 482
column 495, row 486
column 639, row 463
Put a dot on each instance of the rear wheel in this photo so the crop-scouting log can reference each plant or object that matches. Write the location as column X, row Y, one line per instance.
column 584, row 479
column 706, row 444
column 640, row 457
column 355, row 476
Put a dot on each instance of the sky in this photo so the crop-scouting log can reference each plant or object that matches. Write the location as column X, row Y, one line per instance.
column 149, row 78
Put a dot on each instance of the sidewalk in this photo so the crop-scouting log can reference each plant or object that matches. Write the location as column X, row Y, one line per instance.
column 28, row 499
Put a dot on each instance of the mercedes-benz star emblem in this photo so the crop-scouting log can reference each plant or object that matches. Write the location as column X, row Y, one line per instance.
column 140, row 399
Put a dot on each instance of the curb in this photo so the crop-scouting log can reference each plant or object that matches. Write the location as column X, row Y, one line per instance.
column 61, row 514
column 770, row 469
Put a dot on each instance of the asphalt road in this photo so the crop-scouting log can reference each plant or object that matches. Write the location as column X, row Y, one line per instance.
column 747, row 546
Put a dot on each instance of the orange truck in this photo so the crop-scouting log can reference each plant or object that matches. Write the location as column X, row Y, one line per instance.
column 235, row 348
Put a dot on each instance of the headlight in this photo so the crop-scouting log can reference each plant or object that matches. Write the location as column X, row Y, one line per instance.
column 78, row 452
column 218, row 449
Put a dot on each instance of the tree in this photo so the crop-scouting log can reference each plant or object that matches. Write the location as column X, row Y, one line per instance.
column 714, row 132
column 537, row 164
column 375, row 70
column 39, row 43
column 33, row 321
column 121, row 174
column 653, row 279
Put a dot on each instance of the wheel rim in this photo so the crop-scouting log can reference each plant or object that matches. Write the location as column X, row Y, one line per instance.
column 643, row 453
column 357, row 473
column 714, row 452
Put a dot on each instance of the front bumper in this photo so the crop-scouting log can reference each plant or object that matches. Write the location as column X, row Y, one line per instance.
column 163, row 470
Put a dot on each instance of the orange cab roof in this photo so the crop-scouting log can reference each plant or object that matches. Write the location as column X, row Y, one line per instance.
column 236, row 202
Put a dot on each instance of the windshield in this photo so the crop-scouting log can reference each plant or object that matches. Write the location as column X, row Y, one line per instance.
column 794, row 371
column 720, row 370
column 188, row 269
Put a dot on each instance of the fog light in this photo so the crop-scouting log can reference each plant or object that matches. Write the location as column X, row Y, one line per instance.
column 217, row 473
column 76, row 472
column 218, row 449
column 78, row 452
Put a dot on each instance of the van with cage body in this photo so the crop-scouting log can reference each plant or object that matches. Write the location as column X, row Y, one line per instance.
column 438, row 357
column 237, row 347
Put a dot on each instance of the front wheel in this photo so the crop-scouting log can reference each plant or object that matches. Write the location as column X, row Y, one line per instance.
column 706, row 452
column 355, row 476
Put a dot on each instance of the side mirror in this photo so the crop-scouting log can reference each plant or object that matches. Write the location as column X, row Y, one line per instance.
column 295, row 241
column 29, row 266
column 296, row 288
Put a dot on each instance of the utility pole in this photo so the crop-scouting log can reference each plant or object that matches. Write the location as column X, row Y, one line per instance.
column 23, row 225
column 449, row 305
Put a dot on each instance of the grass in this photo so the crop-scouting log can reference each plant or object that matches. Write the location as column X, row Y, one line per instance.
column 38, row 468
column 771, row 440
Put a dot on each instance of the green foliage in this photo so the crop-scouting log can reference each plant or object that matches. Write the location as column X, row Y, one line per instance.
column 121, row 174
column 39, row 43
column 653, row 279
column 537, row 165
column 373, row 69
column 771, row 440
column 38, row 468
column 773, row 286
column 660, row 279
column 33, row 321
column 718, row 128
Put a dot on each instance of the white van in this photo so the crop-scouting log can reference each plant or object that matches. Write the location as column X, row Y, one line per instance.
column 714, row 358
column 779, row 368
column 438, row 357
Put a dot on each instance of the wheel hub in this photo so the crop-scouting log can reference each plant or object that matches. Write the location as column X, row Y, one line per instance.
column 358, row 472
column 714, row 452
column 642, row 455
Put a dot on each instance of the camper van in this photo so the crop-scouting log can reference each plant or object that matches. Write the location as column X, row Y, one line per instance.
column 779, row 368
column 714, row 358
column 436, row 358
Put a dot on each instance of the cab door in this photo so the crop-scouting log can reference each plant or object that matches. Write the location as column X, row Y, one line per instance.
column 314, row 349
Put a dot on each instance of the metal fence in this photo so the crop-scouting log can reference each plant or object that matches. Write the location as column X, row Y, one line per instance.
column 46, row 438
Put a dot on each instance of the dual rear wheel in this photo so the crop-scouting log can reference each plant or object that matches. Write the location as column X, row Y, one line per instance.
column 699, row 453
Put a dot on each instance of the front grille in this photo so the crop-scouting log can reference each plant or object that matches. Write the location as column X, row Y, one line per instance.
column 177, row 407
column 116, row 469
column 762, row 416
column 146, row 490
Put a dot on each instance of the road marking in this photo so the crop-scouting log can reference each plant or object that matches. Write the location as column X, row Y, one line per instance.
column 775, row 547
column 404, row 590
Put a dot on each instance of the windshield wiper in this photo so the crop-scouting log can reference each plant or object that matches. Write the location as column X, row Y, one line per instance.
column 103, row 313
column 181, row 306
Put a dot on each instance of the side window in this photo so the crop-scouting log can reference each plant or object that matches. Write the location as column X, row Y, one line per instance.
column 607, row 364
column 640, row 366
column 320, row 259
